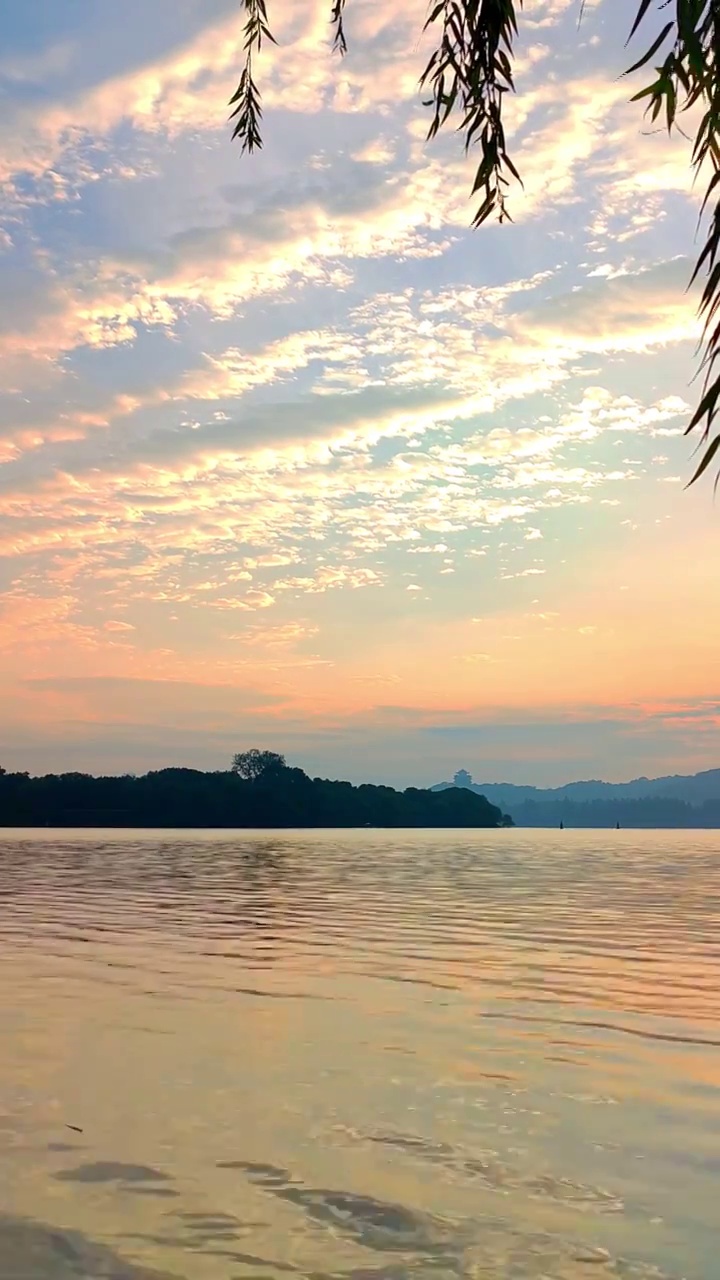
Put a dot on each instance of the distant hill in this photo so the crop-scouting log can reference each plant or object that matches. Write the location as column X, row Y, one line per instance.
column 675, row 801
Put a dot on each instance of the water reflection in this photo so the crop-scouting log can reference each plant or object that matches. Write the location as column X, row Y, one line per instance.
column 359, row 1056
column 34, row 1251
column 111, row 1171
column 375, row 1224
column 496, row 1175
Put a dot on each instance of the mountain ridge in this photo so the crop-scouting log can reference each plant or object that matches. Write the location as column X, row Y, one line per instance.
column 674, row 799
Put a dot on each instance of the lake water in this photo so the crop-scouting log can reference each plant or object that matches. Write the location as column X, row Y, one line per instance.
column 359, row 1055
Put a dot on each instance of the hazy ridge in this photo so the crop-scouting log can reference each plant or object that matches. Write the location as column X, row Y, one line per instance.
column 674, row 801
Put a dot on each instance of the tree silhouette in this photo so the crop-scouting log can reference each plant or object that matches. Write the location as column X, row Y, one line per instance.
column 253, row 764
column 267, row 794
column 469, row 75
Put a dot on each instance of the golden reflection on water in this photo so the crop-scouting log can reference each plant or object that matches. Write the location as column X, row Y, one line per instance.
column 371, row 1055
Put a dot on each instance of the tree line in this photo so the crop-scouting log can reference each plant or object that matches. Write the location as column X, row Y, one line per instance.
column 652, row 812
column 259, row 790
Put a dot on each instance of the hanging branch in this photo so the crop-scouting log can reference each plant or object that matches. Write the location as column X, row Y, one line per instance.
column 469, row 75
column 246, row 99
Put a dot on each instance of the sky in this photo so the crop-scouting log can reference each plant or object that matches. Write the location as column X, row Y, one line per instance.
column 292, row 457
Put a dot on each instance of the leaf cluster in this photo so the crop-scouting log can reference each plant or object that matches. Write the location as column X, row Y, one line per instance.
column 686, row 79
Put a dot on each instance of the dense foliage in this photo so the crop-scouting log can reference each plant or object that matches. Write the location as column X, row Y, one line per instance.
column 470, row 73
column 190, row 798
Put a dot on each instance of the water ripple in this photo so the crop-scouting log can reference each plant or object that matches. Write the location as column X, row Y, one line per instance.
column 480, row 1054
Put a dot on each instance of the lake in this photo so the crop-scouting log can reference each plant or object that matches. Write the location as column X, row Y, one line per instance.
column 359, row 1055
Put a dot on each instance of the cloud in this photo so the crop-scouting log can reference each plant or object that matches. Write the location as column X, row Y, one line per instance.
column 395, row 745
column 251, row 600
column 86, row 704
column 169, row 691
column 283, row 425
column 289, row 234
column 625, row 312
column 46, row 315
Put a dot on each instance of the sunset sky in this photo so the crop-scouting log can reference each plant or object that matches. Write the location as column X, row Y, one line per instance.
column 291, row 457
